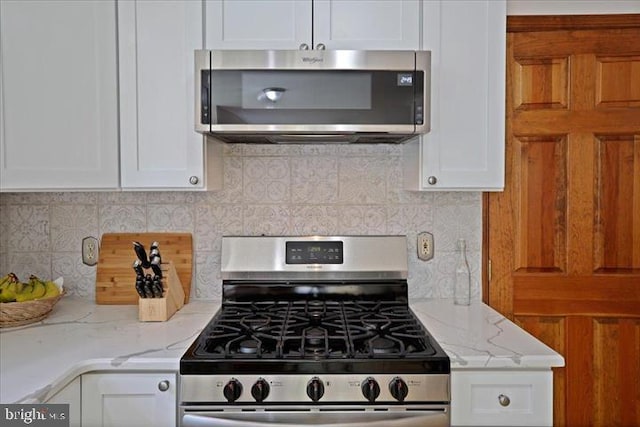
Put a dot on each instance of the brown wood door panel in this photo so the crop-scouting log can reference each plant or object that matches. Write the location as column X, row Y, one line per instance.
column 551, row 331
column 563, row 238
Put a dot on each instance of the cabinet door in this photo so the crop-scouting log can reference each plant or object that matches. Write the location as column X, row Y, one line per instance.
column 258, row 24
column 133, row 400
column 70, row 395
column 367, row 24
column 465, row 148
column 58, row 93
column 159, row 146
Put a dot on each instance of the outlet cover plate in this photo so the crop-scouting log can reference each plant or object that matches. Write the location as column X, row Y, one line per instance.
column 425, row 246
column 90, row 251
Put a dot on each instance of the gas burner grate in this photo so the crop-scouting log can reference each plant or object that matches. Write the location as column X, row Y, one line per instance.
column 314, row 329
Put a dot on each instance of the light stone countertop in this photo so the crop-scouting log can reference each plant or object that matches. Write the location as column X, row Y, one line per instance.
column 37, row 360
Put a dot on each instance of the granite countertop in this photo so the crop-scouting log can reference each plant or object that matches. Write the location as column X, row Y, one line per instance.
column 37, row 360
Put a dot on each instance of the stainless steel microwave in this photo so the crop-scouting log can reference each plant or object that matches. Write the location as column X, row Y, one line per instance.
column 322, row 96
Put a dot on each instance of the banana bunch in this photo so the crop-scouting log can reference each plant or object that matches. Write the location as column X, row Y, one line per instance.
column 11, row 289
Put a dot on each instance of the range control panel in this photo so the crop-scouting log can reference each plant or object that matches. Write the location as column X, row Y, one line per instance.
column 313, row 252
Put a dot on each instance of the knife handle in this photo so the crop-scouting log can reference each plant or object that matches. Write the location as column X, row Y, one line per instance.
column 157, row 287
column 155, row 266
column 137, row 267
column 148, row 286
column 141, row 254
column 140, row 287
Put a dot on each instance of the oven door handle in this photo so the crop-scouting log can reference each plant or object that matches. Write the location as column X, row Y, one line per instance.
column 432, row 419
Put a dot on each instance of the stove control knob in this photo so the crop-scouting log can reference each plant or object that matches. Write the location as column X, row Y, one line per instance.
column 370, row 389
column 398, row 389
column 315, row 389
column 260, row 390
column 232, row 390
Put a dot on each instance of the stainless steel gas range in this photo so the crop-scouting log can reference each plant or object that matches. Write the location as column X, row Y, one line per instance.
column 315, row 331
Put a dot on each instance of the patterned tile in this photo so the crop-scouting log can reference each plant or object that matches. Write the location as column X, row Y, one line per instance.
column 420, row 280
column 314, row 179
column 208, row 281
column 318, row 150
column 4, row 231
column 79, row 279
column 170, row 197
column 170, row 218
column 29, row 228
column 362, row 180
column 453, row 222
column 70, row 224
column 383, row 150
column 402, row 219
column 268, row 220
column 123, row 198
column 271, row 149
column 266, row 179
column 122, row 218
column 272, row 190
column 317, row 220
column 362, row 220
column 76, row 198
column 212, row 222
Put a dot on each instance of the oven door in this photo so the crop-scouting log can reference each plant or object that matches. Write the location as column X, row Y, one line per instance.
column 431, row 416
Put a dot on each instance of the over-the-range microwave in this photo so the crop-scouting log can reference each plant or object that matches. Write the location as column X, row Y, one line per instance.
column 321, row 96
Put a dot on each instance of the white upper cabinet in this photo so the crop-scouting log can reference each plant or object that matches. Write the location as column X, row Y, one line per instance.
column 159, row 146
column 59, row 95
column 299, row 24
column 258, row 24
column 367, row 24
column 465, row 148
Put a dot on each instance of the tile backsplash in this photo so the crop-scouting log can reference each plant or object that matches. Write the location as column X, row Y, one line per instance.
column 272, row 190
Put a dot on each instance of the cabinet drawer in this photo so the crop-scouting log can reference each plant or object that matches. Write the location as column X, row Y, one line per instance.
column 502, row 398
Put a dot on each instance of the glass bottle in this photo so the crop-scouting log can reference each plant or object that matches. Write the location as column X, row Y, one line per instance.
column 462, row 279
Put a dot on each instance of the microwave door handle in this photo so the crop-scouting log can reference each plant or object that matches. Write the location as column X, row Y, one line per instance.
column 430, row 419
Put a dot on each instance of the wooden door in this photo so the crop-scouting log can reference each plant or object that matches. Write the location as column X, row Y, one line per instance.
column 564, row 236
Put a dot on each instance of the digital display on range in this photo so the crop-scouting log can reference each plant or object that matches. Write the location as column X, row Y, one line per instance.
column 314, row 252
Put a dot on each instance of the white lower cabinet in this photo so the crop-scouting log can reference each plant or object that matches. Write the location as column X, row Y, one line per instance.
column 70, row 395
column 129, row 399
column 501, row 398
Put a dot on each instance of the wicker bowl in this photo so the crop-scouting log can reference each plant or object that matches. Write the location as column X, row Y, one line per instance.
column 22, row 313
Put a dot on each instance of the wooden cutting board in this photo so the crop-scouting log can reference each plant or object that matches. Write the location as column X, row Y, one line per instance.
column 115, row 278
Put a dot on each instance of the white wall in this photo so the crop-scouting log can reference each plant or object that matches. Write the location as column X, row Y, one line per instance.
column 571, row 7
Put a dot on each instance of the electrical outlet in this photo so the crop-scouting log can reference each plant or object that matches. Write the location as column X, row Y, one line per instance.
column 425, row 246
column 90, row 251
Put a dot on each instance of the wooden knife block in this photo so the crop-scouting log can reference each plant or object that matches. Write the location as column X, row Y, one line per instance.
column 161, row 309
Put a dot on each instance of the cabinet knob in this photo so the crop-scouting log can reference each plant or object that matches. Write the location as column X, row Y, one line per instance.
column 163, row 385
column 193, row 180
column 504, row 400
column 304, row 46
column 432, row 180
column 320, row 46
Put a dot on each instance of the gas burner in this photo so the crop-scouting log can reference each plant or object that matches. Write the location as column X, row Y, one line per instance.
column 249, row 347
column 314, row 336
column 315, row 304
column 315, row 317
column 382, row 345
